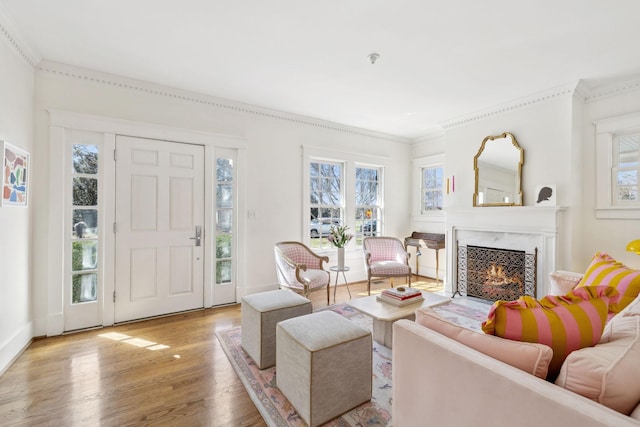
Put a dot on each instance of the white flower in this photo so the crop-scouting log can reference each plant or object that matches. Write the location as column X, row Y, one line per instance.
column 338, row 236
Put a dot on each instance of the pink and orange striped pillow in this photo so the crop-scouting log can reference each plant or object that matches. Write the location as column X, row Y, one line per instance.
column 564, row 323
column 606, row 271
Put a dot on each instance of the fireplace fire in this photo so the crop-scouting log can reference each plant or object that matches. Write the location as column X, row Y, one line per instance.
column 496, row 274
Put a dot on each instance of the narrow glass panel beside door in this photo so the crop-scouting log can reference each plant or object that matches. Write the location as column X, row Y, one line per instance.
column 84, row 225
column 224, row 220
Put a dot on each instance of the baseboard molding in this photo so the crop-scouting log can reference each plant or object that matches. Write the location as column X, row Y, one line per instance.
column 55, row 324
column 12, row 348
column 242, row 292
column 428, row 272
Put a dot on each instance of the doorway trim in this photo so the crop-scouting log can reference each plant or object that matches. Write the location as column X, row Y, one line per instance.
column 60, row 122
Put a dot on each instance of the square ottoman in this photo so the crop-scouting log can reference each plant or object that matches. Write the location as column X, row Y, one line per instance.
column 323, row 365
column 260, row 313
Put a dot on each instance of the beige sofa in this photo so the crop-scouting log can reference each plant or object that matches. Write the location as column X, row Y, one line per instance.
column 437, row 381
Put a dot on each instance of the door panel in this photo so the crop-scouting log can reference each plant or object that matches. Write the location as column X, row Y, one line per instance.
column 159, row 203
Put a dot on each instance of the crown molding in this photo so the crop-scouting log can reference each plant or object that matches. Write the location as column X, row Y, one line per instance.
column 431, row 135
column 12, row 36
column 582, row 91
column 120, row 82
column 524, row 102
column 613, row 89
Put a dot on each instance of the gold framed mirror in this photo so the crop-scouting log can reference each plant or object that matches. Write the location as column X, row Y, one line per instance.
column 498, row 170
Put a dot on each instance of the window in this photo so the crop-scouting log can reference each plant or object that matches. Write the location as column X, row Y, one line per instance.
column 224, row 220
column 368, row 203
column 84, row 230
column 431, row 189
column 343, row 189
column 80, row 169
column 326, row 201
column 626, row 165
column 617, row 154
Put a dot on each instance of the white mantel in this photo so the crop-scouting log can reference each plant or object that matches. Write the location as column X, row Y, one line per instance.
column 540, row 225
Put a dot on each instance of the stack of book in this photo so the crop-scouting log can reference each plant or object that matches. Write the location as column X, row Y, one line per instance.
column 400, row 296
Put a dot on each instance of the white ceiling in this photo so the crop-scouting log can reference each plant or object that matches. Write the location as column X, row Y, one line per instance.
column 439, row 60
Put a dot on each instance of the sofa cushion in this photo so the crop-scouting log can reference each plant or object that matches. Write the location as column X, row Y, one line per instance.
column 563, row 282
column 564, row 323
column 606, row 271
column 636, row 413
column 530, row 357
column 608, row 373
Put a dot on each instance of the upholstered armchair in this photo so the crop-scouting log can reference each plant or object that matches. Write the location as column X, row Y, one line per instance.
column 385, row 257
column 300, row 269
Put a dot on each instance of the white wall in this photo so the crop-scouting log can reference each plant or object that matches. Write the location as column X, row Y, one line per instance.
column 542, row 127
column 557, row 133
column 427, row 147
column 273, row 160
column 16, row 127
column 543, row 130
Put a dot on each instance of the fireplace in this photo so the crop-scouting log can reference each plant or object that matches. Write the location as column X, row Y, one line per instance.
column 496, row 273
column 538, row 231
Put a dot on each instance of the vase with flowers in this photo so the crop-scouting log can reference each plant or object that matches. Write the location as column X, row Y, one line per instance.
column 339, row 237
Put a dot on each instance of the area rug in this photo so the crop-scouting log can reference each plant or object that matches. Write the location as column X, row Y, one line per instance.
column 276, row 409
column 465, row 312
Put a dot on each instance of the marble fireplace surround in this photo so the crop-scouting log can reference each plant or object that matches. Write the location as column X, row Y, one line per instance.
column 521, row 228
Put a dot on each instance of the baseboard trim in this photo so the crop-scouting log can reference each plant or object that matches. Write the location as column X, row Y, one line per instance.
column 12, row 348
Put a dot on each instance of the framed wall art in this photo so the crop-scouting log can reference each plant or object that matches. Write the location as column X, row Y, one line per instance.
column 15, row 175
column 546, row 195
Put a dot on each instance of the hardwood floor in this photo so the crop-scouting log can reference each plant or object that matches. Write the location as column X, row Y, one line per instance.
column 166, row 371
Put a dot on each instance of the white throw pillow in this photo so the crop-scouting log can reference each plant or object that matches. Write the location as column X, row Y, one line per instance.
column 608, row 373
column 562, row 282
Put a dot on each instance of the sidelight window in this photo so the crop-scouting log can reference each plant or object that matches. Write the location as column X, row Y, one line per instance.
column 84, row 224
column 224, row 220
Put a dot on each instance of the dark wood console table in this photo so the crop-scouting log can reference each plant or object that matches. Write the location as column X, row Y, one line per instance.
column 426, row 240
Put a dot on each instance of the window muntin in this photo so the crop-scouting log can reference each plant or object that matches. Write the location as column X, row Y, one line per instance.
column 431, row 189
column 368, row 203
column 626, row 168
column 326, row 194
column 84, row 230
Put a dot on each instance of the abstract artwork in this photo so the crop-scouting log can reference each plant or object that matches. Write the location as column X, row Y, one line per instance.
column 15, row 174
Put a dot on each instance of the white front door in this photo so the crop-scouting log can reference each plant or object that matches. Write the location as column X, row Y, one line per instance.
column 159, row 208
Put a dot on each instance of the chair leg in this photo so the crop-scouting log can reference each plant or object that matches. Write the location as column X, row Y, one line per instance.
column 328, row 293
column 369, row 286
column 391, row 280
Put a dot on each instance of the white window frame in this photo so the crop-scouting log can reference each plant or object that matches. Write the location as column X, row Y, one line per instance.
column 607, row 207
column 350, row 161
column 419, row 164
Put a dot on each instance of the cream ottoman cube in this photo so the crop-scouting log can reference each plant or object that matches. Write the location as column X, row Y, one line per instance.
column 260, row 314
column 323, row 365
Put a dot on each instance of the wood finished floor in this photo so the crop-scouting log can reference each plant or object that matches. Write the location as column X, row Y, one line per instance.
column 169, row 371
